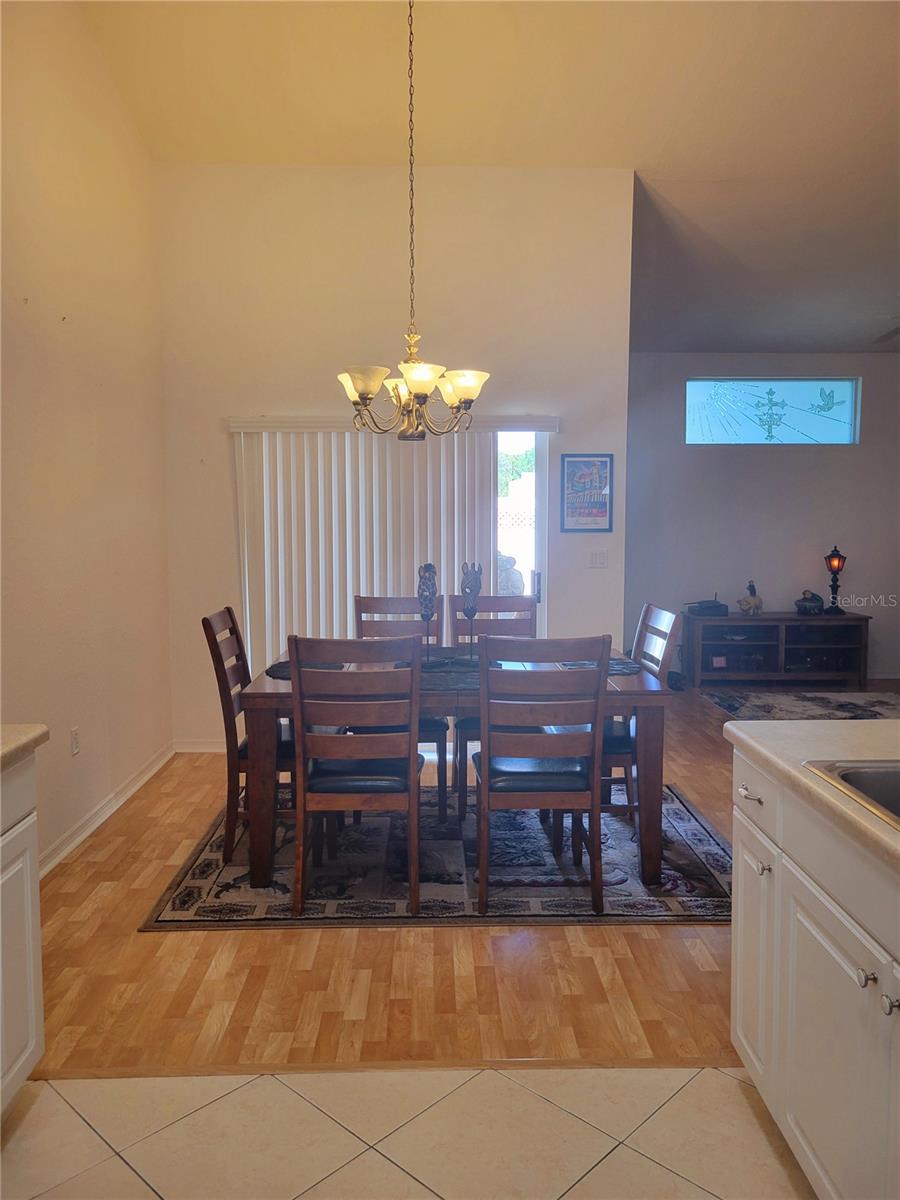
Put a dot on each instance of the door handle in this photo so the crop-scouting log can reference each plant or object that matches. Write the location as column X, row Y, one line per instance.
column 864, row 978
column 888, row 1005
column 763, row 868
column 745, row 794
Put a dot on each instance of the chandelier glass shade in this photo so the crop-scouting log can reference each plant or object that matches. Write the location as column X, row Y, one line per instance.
column 409, row 412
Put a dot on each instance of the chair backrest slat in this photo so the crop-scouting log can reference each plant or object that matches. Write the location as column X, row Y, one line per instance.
column 359, row 713
column 512, row 616
column 235, row 675
column 655, row 640
column 222, row 621
column 528, row 713
column 335, row 681
column 547, row 685
column 579, row 744
column 359, row 685
column 231, row 647
column 359, row 745
column 383, row 616
column 232, row 672
column 568, row 704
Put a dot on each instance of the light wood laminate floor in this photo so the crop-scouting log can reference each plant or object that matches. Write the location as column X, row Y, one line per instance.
column 120, row 1002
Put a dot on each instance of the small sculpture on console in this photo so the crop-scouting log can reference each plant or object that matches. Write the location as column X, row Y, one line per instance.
column 752, row 603
column 810, row 604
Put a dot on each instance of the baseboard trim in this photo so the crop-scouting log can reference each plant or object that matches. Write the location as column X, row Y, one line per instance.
column 92, row 820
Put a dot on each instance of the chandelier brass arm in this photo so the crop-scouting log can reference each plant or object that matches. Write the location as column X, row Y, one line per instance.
column 365, row 417
column 459, row 420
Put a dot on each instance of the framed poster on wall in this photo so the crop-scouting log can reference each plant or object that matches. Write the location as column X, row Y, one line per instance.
column 586, row 501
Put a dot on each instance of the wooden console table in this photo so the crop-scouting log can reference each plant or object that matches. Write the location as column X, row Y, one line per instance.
column 774, row 647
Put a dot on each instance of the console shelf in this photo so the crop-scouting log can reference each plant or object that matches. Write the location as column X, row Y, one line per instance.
column 776, row 647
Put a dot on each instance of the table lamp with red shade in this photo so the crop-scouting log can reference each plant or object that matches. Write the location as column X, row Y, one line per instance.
column 834, row 561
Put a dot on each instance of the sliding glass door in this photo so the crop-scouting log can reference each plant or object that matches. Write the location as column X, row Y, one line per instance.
column 323, row 516
column 522, row 515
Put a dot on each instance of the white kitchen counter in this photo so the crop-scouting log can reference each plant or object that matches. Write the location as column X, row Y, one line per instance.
column 781, row 747
column 18, row 741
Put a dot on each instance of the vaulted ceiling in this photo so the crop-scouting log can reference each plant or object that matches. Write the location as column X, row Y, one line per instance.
column 764, row 135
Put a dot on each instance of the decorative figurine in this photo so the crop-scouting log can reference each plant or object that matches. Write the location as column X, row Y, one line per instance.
column 751, row 604
column 810, row 604
column 427, row 596
column 509, row 577
column 470, row 588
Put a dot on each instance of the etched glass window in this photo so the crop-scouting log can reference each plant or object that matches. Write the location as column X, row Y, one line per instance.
column 788, row 411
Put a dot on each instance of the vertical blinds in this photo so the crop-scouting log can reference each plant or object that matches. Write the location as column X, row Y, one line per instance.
column 326, row 516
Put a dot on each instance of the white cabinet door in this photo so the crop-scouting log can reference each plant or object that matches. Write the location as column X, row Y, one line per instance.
column 833, row 1044
column 892, row 991
column 753, row 933
column 23, row 1006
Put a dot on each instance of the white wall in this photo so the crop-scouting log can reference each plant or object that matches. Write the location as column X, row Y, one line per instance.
column 85, row 637
column 276, row 278
column 708, row 518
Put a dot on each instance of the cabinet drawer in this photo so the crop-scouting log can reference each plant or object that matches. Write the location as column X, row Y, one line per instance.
column 757, row 797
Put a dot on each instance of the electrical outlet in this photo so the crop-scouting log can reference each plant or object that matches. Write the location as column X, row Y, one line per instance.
column 74, row 740
column 597, row 560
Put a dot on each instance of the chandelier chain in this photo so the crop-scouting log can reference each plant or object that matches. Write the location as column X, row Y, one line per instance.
column 409, row 416
column 412, row 180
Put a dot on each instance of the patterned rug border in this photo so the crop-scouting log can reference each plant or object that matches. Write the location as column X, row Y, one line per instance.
column 862, row 705
column 151, row 923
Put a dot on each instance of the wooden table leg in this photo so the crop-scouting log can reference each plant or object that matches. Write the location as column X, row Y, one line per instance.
column 650, row 734
column 262, row 734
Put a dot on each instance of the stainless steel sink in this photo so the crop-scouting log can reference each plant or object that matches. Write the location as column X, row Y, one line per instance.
column 874, row 784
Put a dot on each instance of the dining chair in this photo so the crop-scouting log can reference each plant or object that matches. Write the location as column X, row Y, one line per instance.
column 557, row 767
column 519, row 619
column 655, row 640
column 368, row 769
column 400, row 616
column 226, row 648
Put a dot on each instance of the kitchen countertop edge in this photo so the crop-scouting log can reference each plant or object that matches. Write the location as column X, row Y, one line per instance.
column 18, row 741
column 751, row 738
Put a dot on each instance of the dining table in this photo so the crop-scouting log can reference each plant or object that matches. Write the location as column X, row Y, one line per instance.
column 451, row 690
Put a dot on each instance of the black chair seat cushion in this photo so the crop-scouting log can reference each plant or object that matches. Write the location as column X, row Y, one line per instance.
column 536, row 774
column 429, row 728
column 470, row 726
column 340, row 776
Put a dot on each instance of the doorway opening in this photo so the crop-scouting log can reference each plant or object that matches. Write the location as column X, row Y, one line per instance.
column 519, row 559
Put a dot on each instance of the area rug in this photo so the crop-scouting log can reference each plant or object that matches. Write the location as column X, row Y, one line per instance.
column 747, row 704
column 366, row 883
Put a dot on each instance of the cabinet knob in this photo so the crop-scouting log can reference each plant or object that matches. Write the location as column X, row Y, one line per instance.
column 888, row 1005
column 864, row 978
column 763, row 868
column 745, row 794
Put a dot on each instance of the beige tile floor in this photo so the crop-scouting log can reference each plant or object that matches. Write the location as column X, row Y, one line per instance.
column 587, row 1134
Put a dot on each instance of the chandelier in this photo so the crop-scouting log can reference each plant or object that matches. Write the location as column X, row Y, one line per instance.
column 409, row 414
